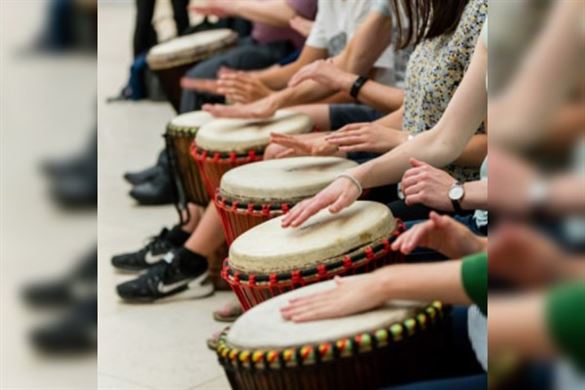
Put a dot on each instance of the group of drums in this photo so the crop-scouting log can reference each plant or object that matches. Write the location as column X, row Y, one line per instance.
column 221, row 161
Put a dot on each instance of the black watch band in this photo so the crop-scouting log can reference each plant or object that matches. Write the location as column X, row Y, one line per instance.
column 357, row 86
column 456, row 206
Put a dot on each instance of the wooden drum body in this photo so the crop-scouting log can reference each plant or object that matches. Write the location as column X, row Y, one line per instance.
column 268, row 260
column 172, row 59
column 228, row 143
column 255, row 193
column 399, row 342
column 181, row 132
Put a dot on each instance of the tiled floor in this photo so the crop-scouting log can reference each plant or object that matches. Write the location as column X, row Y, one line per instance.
column 153, row 346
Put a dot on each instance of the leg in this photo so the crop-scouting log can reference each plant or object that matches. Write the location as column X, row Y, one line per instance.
column 180, row 15
column 192, row 217
column 208, row 236
column 144, row 33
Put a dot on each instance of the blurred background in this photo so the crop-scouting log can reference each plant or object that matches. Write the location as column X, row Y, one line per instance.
column 48, row 194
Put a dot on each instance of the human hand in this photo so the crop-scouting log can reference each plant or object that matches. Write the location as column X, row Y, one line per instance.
column 367, row 137
column 324, row 72
column 301, row 25
column 263, row 108
column 338, row 195
column 201, row 85
column 510, row 181
column 241, row 87
column 298, row 146
column 349, row 296
column 427, row 185
column 527, row 258
column 442, row 234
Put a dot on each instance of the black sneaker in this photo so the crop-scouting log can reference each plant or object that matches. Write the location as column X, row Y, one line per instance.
column 74, row 286
column 75, row 332
column 167, row 279
column 148, row 256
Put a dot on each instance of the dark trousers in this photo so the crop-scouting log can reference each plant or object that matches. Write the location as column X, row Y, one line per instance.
column 248, row 55
column 144, row 32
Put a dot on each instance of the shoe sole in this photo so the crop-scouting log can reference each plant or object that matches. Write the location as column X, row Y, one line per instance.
column 204, row 289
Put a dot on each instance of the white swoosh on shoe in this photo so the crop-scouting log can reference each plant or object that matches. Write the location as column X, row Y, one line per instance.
column 149, row 258
column 167, row 288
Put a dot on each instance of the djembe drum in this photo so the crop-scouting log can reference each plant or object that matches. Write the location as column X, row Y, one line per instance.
column 228, row 143
column 268, row 260
column 399, row 342
column 180, row 134
column 254, row 193
column 170, row 60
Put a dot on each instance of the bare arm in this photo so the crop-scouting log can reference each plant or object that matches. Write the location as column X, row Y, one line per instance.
column 446, row 141
column 277, row 77
column 273, row 12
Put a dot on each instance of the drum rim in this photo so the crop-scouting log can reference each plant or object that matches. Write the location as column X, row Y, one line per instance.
column 190, row 55
column 325, row 268
column 260, row 208
column 201, row 155
column 182, row 130
column 330, row 350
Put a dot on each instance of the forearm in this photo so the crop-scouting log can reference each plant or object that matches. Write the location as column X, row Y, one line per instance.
column 474, row 152
column 476, row 195
column 273, row 12
column 446, row 141
column 305, row 93
column 382, row 97
column 393, row 120
column 566, row 194
column 277, row 77
column 423, row 282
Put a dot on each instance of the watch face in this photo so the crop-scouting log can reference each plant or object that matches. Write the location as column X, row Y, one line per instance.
column 456, row 193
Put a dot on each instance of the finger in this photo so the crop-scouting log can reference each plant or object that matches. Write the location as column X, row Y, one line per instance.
column 293, row 213
column 413, row 199
column 318, row 313
column 412, row 189
column 312, row 208
column 286, row 153
column 348, row 141
column 356, row 148
column 416, row 163
column 412, row 179
column 352, row 126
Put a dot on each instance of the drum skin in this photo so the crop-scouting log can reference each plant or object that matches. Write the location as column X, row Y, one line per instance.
column 225, row 144
column 268, row 260
column 381, row 347
column 257, row 192
column 171, row 60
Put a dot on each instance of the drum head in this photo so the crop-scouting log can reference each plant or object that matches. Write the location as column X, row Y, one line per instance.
column 263, row 327
column 286, row 179
column 191, row 121
column 189, row 48
column 242, row 135
column 269, row 248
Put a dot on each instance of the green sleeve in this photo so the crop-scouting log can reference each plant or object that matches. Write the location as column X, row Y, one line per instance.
column 474, row 274
column 565, row 311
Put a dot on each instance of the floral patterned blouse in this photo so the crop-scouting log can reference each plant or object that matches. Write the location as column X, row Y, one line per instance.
column 435, row 69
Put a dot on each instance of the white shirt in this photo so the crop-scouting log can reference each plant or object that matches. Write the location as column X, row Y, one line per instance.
column 336, row 23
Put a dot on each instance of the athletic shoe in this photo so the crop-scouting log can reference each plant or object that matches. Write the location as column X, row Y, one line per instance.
column 75, row 332
column 153, row 252
column 167, row 278
column 76, row 285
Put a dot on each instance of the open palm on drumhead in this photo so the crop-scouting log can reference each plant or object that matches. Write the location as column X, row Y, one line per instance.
column 349, row 296
column 336, row 196
column 263, row 108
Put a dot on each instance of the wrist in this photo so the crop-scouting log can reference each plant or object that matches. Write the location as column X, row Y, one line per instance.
column 345, row 82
